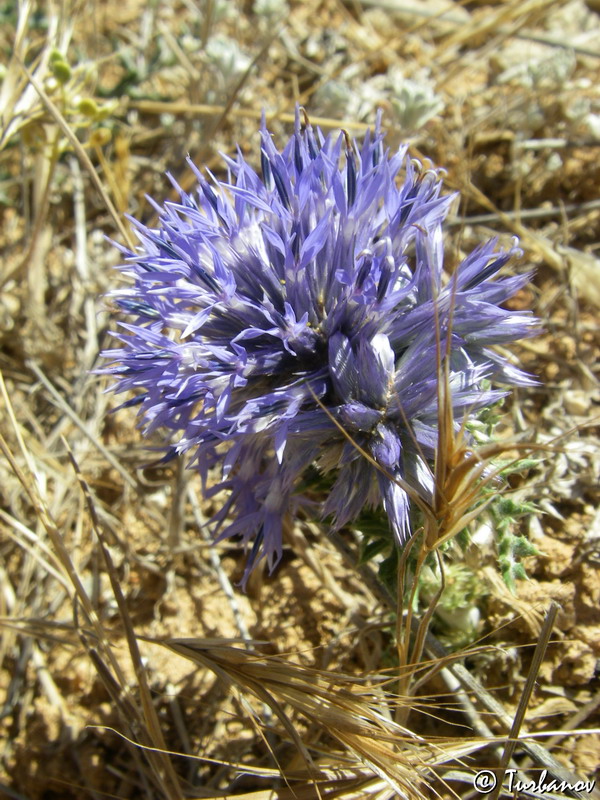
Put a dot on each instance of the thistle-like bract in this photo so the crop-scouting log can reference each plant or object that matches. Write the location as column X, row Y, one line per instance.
column 269, row 314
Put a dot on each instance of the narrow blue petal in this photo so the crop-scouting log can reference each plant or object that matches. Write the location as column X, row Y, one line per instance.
column 264, row 313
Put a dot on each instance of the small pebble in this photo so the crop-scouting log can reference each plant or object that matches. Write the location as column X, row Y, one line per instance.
column 576, row 402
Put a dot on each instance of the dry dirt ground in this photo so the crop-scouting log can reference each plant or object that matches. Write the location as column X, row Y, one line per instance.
column 504, row 95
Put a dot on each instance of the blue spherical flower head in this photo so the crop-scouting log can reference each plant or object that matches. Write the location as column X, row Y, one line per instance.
column 294, row 318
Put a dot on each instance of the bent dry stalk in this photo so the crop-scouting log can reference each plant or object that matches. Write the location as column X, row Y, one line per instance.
column 271, row 313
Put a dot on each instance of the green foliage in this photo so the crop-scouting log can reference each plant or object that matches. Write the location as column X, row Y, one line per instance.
column 378, row 542
column 136, row 70
column 61, row 71
column 388, row 569
column 505, row 513
column 482, row 426
column 88, row 107
column 457, row 615
column 516, row 467
column 8, row 14
column 55, row 55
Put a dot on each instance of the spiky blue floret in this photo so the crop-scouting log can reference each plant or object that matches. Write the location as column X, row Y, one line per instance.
column 259, row 302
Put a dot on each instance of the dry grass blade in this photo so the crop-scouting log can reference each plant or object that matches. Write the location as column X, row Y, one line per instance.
column 160, row 762
column 144, row 723
column 207, row 110
column 356, row 717
column 19, row 102
column 335, row 776
column 81, row 154
column 136, row 86
column 60, row 632
column 526, row 695
column 66, row 409
column 515, row 14
column 441, row 658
